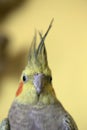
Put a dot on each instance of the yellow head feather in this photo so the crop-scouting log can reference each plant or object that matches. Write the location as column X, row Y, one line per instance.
column 37, row 63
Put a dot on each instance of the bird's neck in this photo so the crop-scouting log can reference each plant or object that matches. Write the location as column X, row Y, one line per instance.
column 47, row 96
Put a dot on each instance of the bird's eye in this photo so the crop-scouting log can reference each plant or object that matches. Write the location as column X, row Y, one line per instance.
column 50, row 79
column 25, row 78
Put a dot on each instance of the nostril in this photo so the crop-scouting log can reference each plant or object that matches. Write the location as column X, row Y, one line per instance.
column 41, row 75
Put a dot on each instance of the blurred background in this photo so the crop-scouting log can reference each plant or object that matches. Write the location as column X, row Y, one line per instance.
column 66, row 45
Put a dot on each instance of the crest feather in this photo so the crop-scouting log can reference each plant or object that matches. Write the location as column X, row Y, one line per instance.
column 38, row 56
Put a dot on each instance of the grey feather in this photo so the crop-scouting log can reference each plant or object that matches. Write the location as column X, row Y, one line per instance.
column 4, row 125
column 50, row 117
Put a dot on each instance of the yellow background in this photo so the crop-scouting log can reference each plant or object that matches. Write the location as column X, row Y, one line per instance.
column 67, row 51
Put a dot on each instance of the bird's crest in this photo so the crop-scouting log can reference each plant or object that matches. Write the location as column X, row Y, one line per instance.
column 38, row 55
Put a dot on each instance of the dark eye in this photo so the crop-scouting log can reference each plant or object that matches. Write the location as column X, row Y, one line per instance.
column 50, row 79
column 25, row 78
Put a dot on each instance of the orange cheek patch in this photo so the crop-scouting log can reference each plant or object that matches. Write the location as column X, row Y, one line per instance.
column 19, row 89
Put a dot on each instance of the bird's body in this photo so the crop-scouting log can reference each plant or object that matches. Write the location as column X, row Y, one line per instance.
column 36, row 106
column 49, row 117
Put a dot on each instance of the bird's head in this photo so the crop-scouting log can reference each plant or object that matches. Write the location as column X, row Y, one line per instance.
column 36, row 80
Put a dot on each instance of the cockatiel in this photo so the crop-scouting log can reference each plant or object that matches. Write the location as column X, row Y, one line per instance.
column 35, row 106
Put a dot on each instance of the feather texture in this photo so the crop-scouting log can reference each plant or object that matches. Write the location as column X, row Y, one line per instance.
column 50, row 117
